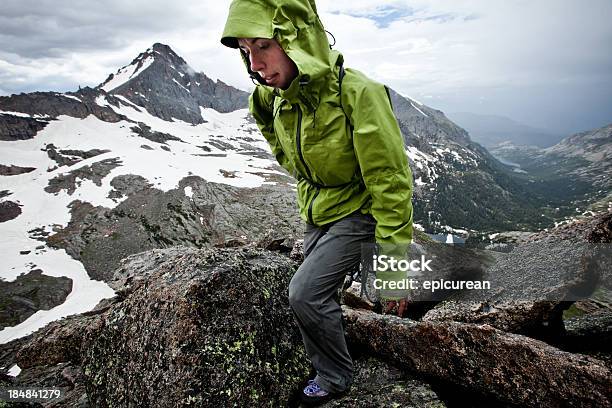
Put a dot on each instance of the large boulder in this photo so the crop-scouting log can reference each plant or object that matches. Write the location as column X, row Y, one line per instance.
column 203, row 327
column 512, row 368
column 50, row 358
column 188, row 326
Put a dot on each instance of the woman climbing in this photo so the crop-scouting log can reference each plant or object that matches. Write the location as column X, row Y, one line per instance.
column 334, row 130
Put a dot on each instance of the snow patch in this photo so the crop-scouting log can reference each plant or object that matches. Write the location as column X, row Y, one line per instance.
column 101, row 101
column 14, row 371
column 423, row 161
column 190, row 71
column 85, row 294
column 450, row 229
column 126, row 73
column 202, row 150
column 124, row 100
column 141, row 95
column 417, row 102
column 20, row 114
column 178, row 83
column 457, row 156
column 70, row 96
column 422, row 113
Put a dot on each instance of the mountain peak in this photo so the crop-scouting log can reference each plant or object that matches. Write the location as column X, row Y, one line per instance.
column 162, row 48
column 160, row 53
column 162, row 82
column 167, row 54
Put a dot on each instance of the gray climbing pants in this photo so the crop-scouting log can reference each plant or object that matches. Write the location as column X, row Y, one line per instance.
column 330, row 252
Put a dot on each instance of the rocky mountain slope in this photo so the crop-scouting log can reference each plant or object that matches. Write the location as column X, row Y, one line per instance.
column 214, row 328
column 166, row 86
column 459, row 187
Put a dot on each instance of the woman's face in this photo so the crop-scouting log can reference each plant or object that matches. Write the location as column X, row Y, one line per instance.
column 269, row 60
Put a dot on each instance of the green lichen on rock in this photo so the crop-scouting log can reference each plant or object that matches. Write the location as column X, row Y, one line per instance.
column 201, row 328
column 377, row 383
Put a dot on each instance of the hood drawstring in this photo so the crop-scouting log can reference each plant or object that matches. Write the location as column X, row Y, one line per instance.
column 333, row 38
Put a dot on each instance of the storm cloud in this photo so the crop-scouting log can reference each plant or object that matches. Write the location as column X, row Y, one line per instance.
column 544, row 63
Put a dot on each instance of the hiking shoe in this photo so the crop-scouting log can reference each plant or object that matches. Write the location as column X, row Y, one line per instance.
column 314, row 395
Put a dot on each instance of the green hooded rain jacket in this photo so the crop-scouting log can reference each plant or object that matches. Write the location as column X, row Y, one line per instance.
column 344, row 147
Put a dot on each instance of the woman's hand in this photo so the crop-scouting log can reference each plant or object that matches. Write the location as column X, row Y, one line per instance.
column 390, row 306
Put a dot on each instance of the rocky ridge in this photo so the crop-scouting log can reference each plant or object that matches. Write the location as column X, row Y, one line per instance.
column 218, row 318
column 459, row 187
column 23, row 116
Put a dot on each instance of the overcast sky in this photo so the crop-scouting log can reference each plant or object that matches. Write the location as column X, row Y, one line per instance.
column 546, row 63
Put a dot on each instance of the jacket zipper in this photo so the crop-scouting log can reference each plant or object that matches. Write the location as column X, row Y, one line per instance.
column 310, row 206
column 298, row 142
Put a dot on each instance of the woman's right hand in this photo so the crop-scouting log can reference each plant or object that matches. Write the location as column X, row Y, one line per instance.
column 392, row 304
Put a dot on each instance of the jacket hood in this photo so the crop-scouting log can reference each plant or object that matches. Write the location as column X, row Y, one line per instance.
column 295, row 24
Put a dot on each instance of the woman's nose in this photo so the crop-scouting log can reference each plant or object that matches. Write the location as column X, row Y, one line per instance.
column 257, row 63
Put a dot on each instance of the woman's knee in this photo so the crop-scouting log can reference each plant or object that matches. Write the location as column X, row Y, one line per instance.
column 298, row 293
column 295, row 292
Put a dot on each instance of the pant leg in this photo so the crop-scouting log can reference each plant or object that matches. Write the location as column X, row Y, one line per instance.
column 312, row 234
column 330, row 255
